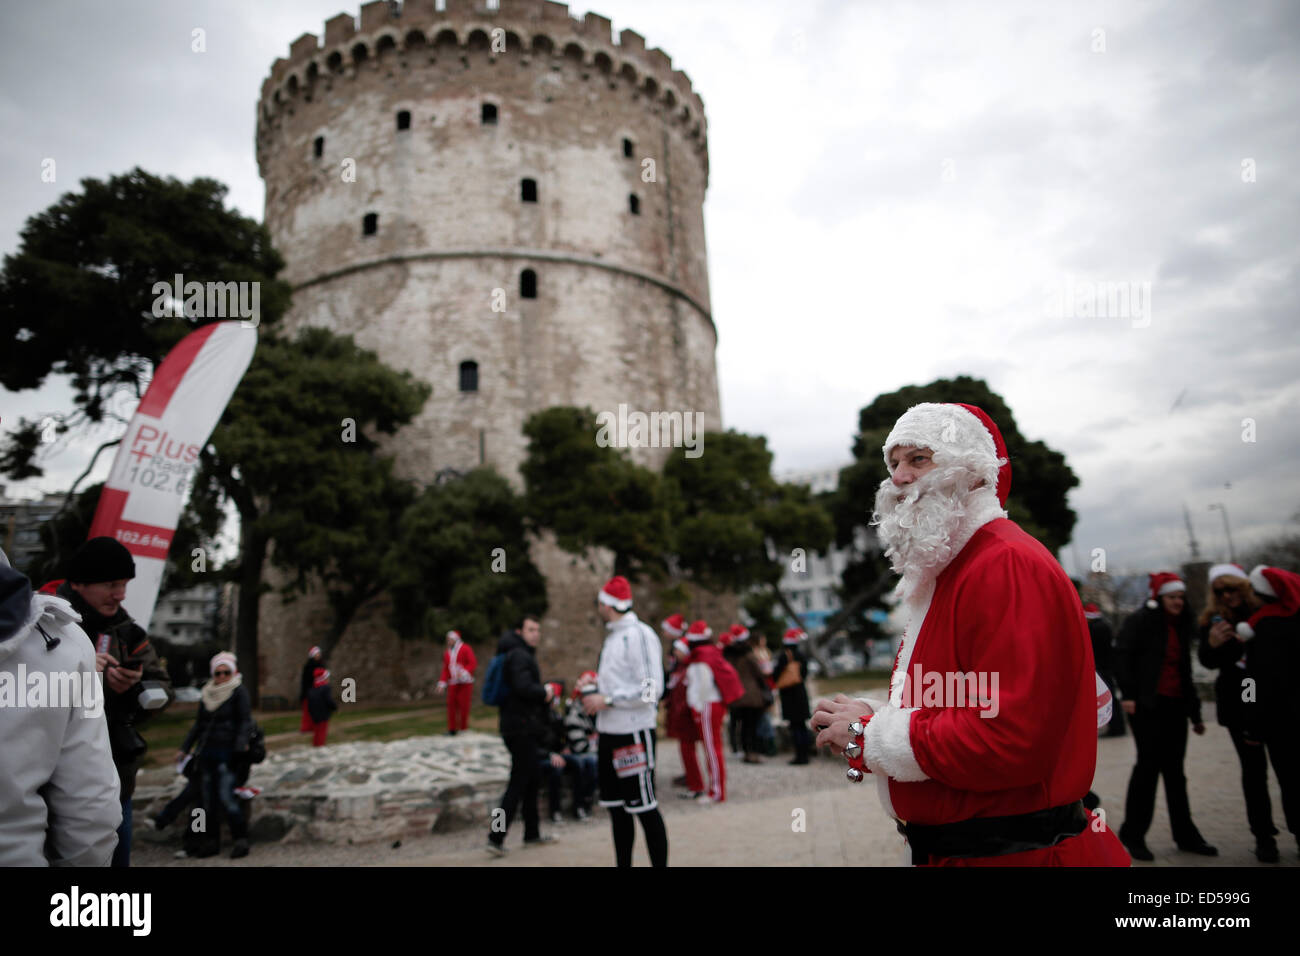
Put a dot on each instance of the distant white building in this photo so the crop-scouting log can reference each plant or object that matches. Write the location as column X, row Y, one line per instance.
column 187, row 616
column 813, row 592
column 20, row 526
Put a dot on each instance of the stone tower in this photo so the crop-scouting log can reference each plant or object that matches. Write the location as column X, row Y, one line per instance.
column 509, row 204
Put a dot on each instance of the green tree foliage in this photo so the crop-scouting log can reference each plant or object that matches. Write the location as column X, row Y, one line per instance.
column 591, row 496
column 460, row 559
column 295, row 452
column 1041, row 478
column 78, row 297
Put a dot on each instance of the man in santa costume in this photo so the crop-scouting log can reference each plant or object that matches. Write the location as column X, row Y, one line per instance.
column 988, row 740
column 711, row 685
column 458, row 664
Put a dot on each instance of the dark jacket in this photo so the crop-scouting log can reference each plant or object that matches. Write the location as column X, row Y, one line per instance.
column 794, row 699
column 309, row 677
column 320, row 704
column 1140, row 657
column 751, row 674
column 1103, row 642
column 126, row 640
column 524, row 709
column 1229, row 659
column 224, row 729
column 1273, row 660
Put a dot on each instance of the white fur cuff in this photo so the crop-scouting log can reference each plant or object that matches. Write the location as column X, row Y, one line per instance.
column 888, row 745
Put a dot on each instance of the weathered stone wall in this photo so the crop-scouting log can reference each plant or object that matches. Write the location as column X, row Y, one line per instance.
column 621, row 315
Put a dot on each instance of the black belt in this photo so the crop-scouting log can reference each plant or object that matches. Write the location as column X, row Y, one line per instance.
column 995, row 836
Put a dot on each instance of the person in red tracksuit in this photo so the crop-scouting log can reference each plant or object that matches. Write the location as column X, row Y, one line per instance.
column 458, row 664
column 681, row 724
column 711, row 684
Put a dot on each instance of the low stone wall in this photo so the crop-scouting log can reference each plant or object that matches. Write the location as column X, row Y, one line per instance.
column 358, row 792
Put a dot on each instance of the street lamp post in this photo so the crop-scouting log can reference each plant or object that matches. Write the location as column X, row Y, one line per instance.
column 1232, row 554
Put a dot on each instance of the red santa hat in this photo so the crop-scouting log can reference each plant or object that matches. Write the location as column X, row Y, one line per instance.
column 739, row 632
column 698, row 631
column 453, row 636
column 674, row 626
column 586, row 683
column 793, row 637
column 1163, row 582
column 314, row 651
column 1283, row 590
column 681, row 647
column 1224, row 570
column 956, row 433
column 1091, row 612
column 616, row 593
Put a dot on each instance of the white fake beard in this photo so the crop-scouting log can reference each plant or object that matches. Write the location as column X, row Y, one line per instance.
column 918, row 531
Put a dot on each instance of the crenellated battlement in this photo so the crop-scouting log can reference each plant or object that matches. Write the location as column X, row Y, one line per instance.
column 539, row 30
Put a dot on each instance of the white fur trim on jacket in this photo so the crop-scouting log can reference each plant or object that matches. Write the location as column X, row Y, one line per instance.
column 888, row 745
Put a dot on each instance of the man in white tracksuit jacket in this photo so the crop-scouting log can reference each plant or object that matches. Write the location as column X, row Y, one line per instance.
column 630, row 681
column 59, row 803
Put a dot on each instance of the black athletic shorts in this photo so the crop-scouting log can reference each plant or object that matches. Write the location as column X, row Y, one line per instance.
column 626, row 765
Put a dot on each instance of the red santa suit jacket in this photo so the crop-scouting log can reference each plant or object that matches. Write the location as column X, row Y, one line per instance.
column 458, row 664
column 1004, row 610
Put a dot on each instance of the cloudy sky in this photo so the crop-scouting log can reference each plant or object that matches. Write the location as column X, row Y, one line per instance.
column 1093, row 206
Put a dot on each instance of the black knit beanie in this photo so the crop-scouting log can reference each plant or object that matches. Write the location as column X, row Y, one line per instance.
column 101, row 559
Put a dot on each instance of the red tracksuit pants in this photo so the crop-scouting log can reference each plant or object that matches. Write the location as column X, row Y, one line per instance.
column 709, row 724
column 458, row 700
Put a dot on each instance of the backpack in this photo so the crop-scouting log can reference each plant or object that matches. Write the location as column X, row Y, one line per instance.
column 495, row 690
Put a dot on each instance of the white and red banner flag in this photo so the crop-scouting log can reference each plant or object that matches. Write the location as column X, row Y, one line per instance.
column 155, row 465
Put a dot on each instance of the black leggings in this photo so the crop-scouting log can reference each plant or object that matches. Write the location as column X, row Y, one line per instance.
column 652, row 825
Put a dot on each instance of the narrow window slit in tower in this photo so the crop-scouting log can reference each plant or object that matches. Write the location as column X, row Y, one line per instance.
column 370, row 224
column 528, row 284
column 528, row 190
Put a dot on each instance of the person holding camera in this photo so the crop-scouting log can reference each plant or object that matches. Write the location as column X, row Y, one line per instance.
column 221, row 731
column 136, row 684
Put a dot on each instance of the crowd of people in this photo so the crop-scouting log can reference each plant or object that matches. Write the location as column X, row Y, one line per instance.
column 986, row 779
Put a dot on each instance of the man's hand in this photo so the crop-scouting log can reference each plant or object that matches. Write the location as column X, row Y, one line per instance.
column 1198, row 729
column 121, row 680
column 104, row 660
column 1220, row 633
column 441, row 688
column 831, row 719
column 594, row 703
column 557, row 761
column 1128, row 706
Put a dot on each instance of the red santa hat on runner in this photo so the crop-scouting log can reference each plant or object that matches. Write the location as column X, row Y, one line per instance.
column 586, row 683
column 957, row 434
column 1281, row 591
column 793, row 637
column 314, row 651
column 453, row 636
column 1091, row 612
column 1161, row 583
column 698, row 632
column 739, row 632
column 616, row 593
column 674, row 626
column 681, row 647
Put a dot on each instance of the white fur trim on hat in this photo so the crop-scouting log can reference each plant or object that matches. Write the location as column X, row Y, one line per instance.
column 944, row 428
column 1245, row 631
column 1224, row 570
column 888, row 745
column 1171, row 587
column 1259, row 582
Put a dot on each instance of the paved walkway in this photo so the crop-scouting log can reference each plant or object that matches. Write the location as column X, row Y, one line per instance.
column 843, row 822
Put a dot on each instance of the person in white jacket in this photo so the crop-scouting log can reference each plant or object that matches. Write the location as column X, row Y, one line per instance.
column 59, row 789
column 629, row 683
